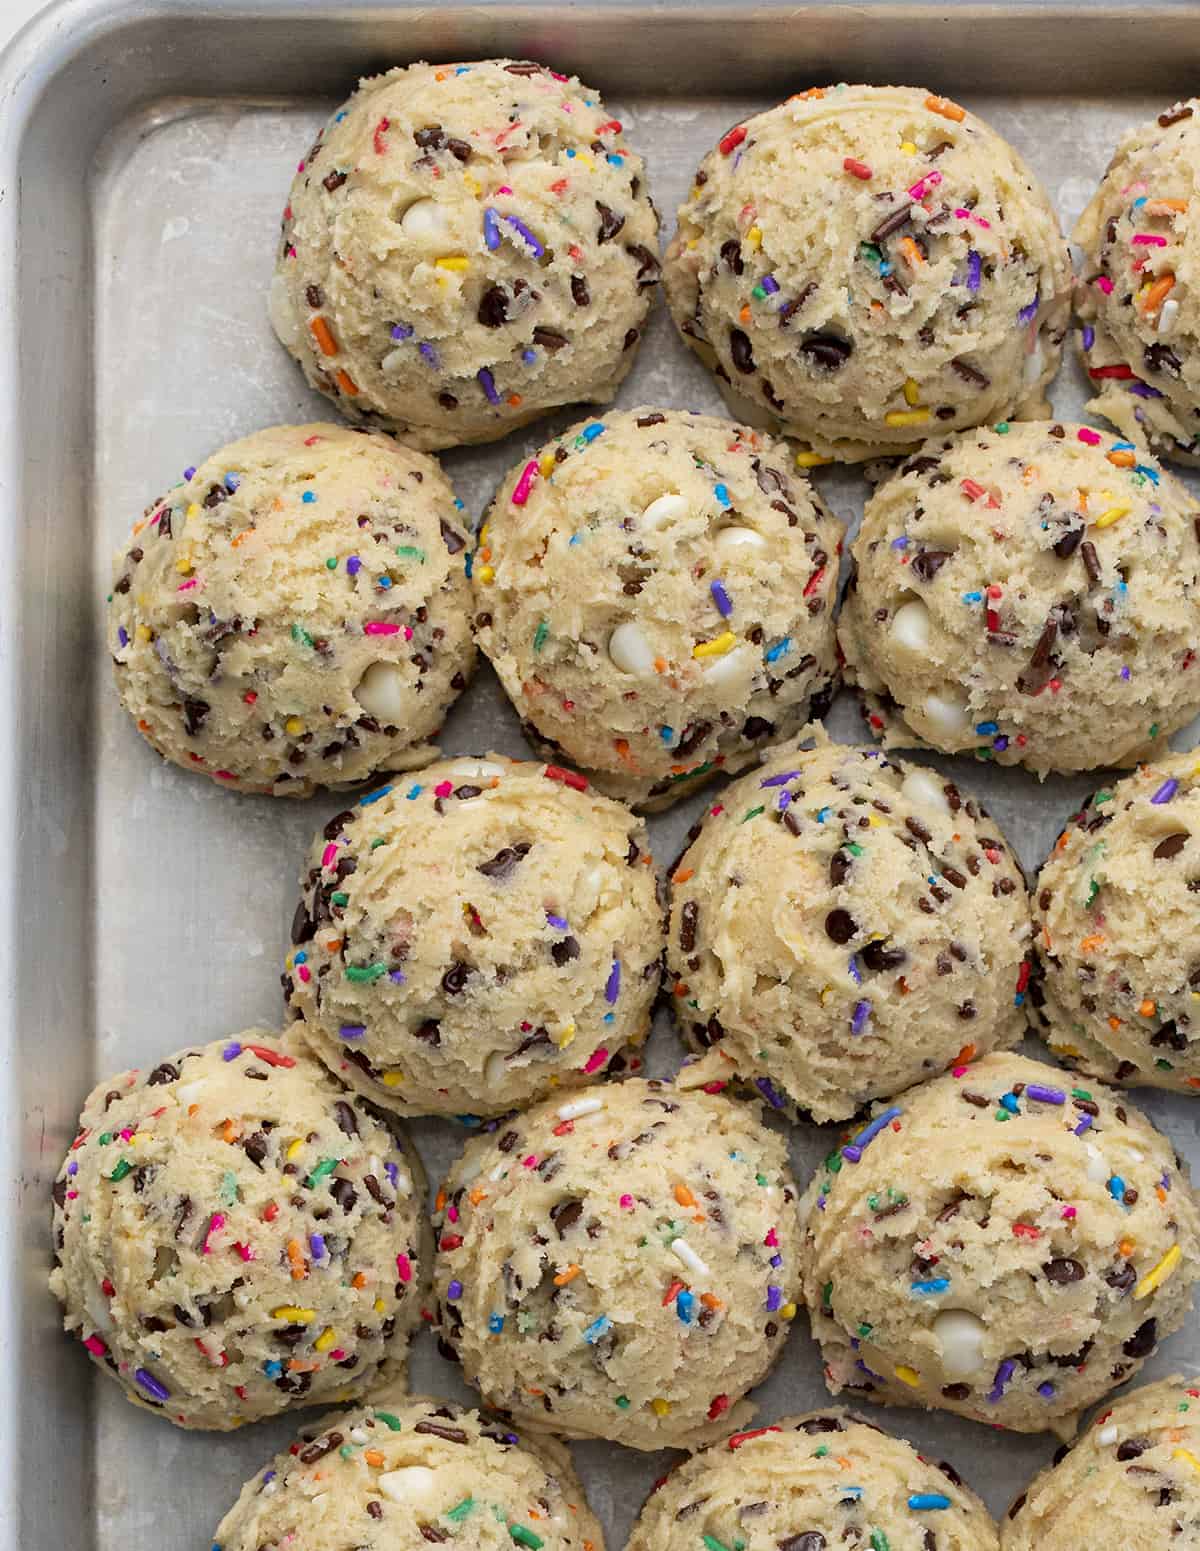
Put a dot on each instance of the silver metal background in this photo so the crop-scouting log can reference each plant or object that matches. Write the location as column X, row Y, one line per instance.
column 147, row 151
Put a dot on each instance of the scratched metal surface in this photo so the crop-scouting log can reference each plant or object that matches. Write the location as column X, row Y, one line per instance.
column 156, row 906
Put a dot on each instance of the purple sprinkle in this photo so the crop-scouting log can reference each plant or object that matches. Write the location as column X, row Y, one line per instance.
column 721, row 599
column 1044, row 1095
column 776, row 1261
column 354, row 565
column 1027, row 314
column 782, row 779
column 613, row 988
column 429, row 353
column 189, row 473
column 1046, row 1390
column 559, row 923
column 151, row 1385
column 974, row 270
column 352, row 1030
column 232, row 1051
column 488, row 383
column 767, row 1089
column 1165, row 792
column 72, row 1168
column 491, row 230
column 392, row 1171
column 901, row 542
column 529, row 357
column 878, row 1376
column 454, row 1291
column 1000, row 743
column 268, row 1477
column 402, row 331
column 1003, row 1373
column 769, row 284
column 783, row 800
column 854, row 971
column 526, row 235
column 774, row 1298
column 396, row 976
column 1089, row 337
column 317, row 1244
column 853, row 1151
column 1126, row 673
column 1085, row 1124
column 122, row 635
column 862, row 1011
column 1144, row 390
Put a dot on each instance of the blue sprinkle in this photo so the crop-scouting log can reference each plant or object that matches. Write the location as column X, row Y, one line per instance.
column 1009, row 1102
column 272, row 1369
column 901, row 542
column 972, row 597
column 302, row 958
column 596, row 1329
column 1138, row 203
column 495, row 1323
column 937, row 1284
column 413, row 793
column 722, row 494
column 822, row 815
column 591, row 432
column 491, row 230
column 232, row 481
column 189, row 473
column 526, row 236
column 365, row 802
column 231, row 1051
column 122, row 636
column 1147, row 472
column 1027, row 314
column 617, row 161
column 429, row 353
column 987, row 729
column 385, row 582
column 1087, row 338
column 921, row 1502
column 685, row 1303
column 1116, row 1188
column 488, row 383
column 853, row 1492
column 609, row 1017
column 529, row 357
column 666, row 734
column 309, row 497
column 774, row 652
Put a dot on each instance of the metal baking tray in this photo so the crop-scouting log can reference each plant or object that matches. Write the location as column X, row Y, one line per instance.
column 146, row 153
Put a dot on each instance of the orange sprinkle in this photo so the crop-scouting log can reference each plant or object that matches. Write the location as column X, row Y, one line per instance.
column 333, row 945
column 660, row 665
column 346, row 383
column 439, row 1201
column 622, row 747
column 229, row 1132
column 813, row 94
column 373, row 1457
column 684, row 1196
column 358, row 1280
column 744, row 314
column 680, row 988
column 143, row 724
column 296, row 1260
column 1162, row 206
column 944, row 108
column 1126, row 1247
column 965, row 1056
column 1114, row 1024
column 1147, row 1008
column 241, row 537
column 683, row 875
column 295, row 1365
column 1090, row 944
column 1155, row 295
column 323, row 335
column 1122, row 459
column 477, row 1196
column 514, row 399
column 568, row 1275
column 711, row 1301
column 911, row 252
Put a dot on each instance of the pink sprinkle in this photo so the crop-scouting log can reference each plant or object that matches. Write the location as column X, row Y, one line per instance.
column 224, row 775
column 408, row 632
column 772, row 1239
column 299, row 166
column 336, row 1355
column 504, row 189
column 1103, row 283
column 72, row 1195
column 126, row 1134
column 1092, row 438
column 404, row 1268
column 530, row 1162
column 154, row 521
column 960, row 1071
column 215, row 1225
column 627, row 1203
column 1068, row 1212
column 930, row 180
column 329, row 854
column 188, row 585
column 1148, row 240
column 596, row 1060
column 523, row 486
column 95, row 1346
column 452, row 1213
column 244, row 1251
column 380, row 627
column 443, row 789
column 304, row 972
column 963, row 215
column 311, row 441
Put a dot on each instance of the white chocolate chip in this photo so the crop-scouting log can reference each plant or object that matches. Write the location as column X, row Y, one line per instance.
column 187, row 1093
column 577, row 1107
column 961, row 1336
column 394, row 360
column 423, row 220
column 413, row 1484
column 284, row 319
column 474, row 769
column 1167, row 314
column 948, row 716
column 380, row 692
column 733, row 665
column 910, row 625
column 924, row 789
column 493, row 1069
column 739, row 537
column 1098, row 1170
column 668, row 508
column 1107, row 1436
column 630, row 651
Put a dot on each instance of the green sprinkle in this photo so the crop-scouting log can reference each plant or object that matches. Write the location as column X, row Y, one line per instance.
column 758, row 293
column 1100, row 797
column 623, row 1402
column 1002, row 428
column 686, row 775
column 854, row 849
column 326, row 1166
column 1093, row 890
column 301, row 635
column 460, row 1510
column 105, row 1138
column 865, row 1330
column 761, row 1179
column 346, row 1450
column 378, row 841
column 229, row 1188
column 868, row 251
column 821, row 1452
column 1080, row 1093
column 411, row 552
column 122, row 1168
column 754, row 812
column 540, row 634
column 1001, row 1114
column 365, row 971
column 525, row 1537
column 713, row 1543
column 392, row 1423
column 1154, row 729
column 827, row 1296
column 339, row 898
column 879, row 1541
column 1164, row 1066
column 331, row 563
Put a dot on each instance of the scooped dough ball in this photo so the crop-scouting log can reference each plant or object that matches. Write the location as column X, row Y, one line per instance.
column 465, row 248
column 1000, row 1245
column 827, row 1479
column 1136, row 294
column 295, row 613
column 1131, row 1480
column 402, row 1473
column 656, row 590
column 866, row 264
column 1117, row 913
column 843, row 927
column 622, row 1265
column 235, row 1234
column 469, row 940
column 1028, row 594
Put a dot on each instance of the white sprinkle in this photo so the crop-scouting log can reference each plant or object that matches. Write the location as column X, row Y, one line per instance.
column 1167, row 314
column 682, row 1250
column 359, row 1435
column 579, row 1107
column 424, row 218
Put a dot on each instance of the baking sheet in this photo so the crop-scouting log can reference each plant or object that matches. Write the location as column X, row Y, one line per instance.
column 191, row 889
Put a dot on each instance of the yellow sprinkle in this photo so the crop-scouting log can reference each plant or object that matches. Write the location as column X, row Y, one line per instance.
column 486, row 573
column 294, row 1315
column 1113, row 514
column 567, row 1035
column 826, row 993
column 392, row 1079
column 660, row 1407
column 184, row 565
column 1166, row 1267
column 874, row 821
column 294, row 1148
column 754, row 236
column 1187, row 1455
column 454, row 261
column 582, row 156
column 473, row 185
column 788, row 1311
column 143, row 632
column 1065, row 1050
column 193, row 510
column 293, row 726
column 908, row 1376
column 811, row 460
column 912, row 392
column 717, row 647
column 325, row 1340
column 906, row 417
column 907, row 148
column 547, row 466
column 483, row 533
column 379, row 1305
column 693, row 242
column 695, row 194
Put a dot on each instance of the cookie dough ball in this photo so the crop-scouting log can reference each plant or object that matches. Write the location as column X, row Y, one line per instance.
column 1117, row 922
column 1130, row 1480
column 1028, row 594
column 235, row 1233
column 656, row 590
column 469, row 940
column 295, row 614
column 808, row 1482
column 1000, row 1244
column 399, row 1474
column 844, row 927
column 465, row 248
column 867, row 264
column 622, row 1265
column 1136, row 295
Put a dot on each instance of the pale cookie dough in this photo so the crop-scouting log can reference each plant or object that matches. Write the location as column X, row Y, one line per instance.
column 843, row 927
column 1029, row 594
column 656, row 590
column 235, row 1234
column 1000, row 1243
column 1136, row 295
column 471, row 939
column 465, row 248
column 403, row 1473
column 1131, row 1481
column 621, row 1265
column 295, row 614
column 807, row 1483
column 1117, row 927
column 864, row 265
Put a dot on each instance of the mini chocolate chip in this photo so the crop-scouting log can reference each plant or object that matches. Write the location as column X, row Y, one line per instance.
column 840, row 926
column 741, row 351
